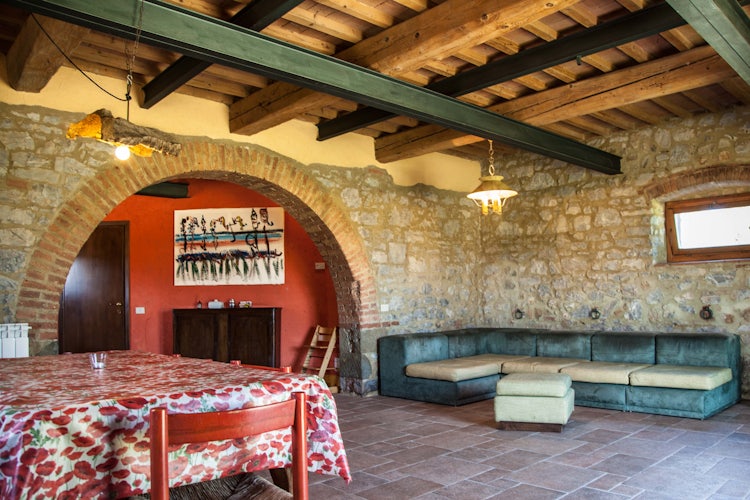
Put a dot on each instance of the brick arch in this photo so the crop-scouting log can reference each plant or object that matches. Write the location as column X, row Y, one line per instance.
column 699, row 179
column 272, row 175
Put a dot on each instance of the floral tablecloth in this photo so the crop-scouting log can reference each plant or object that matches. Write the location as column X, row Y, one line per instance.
column 67, row 431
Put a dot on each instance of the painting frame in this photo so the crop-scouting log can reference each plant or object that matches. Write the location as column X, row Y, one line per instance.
column 229, row 246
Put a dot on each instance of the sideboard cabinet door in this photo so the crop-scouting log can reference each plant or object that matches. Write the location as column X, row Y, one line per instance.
column 250, row 335
column 197, row 332
column 253, row 336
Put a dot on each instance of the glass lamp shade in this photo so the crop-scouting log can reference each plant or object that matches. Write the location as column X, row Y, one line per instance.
column 491, row 194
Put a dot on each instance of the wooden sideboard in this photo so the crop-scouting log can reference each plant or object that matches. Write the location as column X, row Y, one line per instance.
column 251, row 335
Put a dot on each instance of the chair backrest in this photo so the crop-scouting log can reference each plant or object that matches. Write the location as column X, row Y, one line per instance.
column 182, row 428
column 282, row 369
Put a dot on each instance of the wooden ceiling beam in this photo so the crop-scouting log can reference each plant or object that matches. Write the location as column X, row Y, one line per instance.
column 33, row 59
column 660, row 77
column 256, row 16
column 215, row 41
column 626, row 29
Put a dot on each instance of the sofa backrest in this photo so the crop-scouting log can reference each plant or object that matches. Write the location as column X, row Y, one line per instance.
column 401, row 350
column 466, row 342
column 511, row 341
column 564, row 344
column 624, row 347
column 699, row 349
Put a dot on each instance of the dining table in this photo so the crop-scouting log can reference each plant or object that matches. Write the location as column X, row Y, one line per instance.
column 70, row 431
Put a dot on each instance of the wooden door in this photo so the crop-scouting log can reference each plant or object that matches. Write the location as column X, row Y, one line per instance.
column 94, row 303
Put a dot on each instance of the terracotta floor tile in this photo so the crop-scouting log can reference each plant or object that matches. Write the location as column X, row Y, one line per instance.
column 556, row 477
column 467, row 490
column 416, row 455
column 607, row 482
column 603, row 436
column 400, row 449
column 623, row 464
column 676, row 483
column 594, row 494
column 404, row 489
column 445, row 470
column 527, row 492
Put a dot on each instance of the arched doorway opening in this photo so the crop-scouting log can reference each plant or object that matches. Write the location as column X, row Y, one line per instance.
column 271, row 175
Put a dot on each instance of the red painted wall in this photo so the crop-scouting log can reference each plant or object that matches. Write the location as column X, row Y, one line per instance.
column 307, row 297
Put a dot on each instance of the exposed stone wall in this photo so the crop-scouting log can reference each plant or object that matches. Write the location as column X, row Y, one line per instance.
column 575, row 239
column 572, row 240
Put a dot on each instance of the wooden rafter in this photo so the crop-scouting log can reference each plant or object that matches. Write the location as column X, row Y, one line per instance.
column 655, row 79
column 604, row 36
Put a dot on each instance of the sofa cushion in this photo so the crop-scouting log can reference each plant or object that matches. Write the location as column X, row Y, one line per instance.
column 539, row 365
column 457, row 369
column 602, row 372
column 681, row 377
column 624, row 347
column 551, row 385
column 564, row 345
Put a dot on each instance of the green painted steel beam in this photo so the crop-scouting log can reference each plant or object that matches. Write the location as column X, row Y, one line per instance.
column 724, row 26
column 219, row 42
column 255, row 16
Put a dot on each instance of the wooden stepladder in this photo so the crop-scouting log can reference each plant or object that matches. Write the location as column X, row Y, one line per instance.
column 320, row 354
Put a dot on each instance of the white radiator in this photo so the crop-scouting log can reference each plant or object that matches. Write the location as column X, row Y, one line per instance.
column 14, row 340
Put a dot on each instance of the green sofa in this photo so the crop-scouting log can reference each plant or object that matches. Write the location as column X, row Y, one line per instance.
column 692, row 375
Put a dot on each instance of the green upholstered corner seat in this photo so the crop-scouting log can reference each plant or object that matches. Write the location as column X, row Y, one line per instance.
column 459, row 367
column 456, row 369
column 702, row 378
column 602, row 372
column 539, row 365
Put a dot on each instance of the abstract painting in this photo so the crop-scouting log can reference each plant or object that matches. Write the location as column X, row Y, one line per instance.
column 229, row 246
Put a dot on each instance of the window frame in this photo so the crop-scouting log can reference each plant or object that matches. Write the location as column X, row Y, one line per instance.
column 707, row 254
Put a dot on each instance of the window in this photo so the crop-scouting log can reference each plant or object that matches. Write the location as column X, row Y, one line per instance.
column 708, row 229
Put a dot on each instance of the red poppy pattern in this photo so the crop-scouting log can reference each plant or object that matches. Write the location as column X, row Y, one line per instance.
column 67, row 431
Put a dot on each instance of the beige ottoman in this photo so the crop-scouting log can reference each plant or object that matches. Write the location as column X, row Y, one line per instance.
column 534, row 401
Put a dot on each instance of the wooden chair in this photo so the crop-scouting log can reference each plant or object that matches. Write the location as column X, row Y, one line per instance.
column 182, row 428
column 282, row 369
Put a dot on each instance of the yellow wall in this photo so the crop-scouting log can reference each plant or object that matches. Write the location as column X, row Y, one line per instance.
column 70, row 91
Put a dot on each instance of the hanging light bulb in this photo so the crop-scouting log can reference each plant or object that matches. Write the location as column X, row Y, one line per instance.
column 122, row 152
column 492, row 192
column 125, row 136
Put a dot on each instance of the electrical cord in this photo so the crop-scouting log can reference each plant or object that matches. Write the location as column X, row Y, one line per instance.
column 130, row 71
